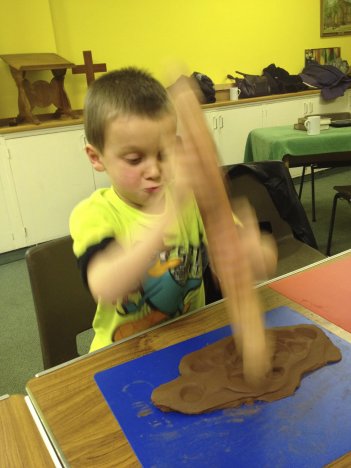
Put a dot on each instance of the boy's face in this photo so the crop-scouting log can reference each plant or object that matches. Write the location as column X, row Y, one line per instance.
column 137, row 157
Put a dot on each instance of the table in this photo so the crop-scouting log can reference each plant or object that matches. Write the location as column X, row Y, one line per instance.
column 40, row 93
column 331, row 148
column 74, row 412
column 20, row 440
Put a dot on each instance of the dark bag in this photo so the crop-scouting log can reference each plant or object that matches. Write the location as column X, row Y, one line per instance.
column 207, row 87
column 251, row 85
column 281, row 81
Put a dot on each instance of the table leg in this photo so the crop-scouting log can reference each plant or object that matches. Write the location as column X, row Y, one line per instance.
column 332, row 221
column 313, row 193
column 24, row 106
column 302, row 180
column 60, row 98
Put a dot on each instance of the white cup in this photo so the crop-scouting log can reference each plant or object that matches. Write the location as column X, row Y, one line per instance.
column 313, row 125
column 234, row 93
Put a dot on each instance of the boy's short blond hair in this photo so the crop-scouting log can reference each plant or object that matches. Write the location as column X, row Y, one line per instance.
column 128, row 91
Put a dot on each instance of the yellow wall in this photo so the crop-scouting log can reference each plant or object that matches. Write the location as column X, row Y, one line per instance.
column 215, row 38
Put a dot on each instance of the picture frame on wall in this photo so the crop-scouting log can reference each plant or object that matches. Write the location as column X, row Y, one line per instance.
column 335, row 17
column 323, row 56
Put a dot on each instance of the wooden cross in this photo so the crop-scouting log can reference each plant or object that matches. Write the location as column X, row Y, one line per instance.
column 89, row 68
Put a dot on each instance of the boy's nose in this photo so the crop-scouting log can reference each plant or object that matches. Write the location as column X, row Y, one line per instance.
column 154, row 169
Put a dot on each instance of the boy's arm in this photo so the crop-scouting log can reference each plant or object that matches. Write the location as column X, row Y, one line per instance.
column 114, row 272
column 110, row 268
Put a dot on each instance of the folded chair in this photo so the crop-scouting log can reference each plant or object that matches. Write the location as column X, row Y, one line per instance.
column 342, row 192
column 64, row 307
column 269, row 188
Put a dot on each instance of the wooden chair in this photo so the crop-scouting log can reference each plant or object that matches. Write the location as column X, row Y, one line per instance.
column 342, row 192
column 269, row 188
column 64, row 307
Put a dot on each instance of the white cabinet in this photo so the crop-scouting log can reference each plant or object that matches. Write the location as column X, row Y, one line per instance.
column 340, row 104
column 281, row 113
column 230, row 127
column 311, row 105
column 7, row 241
column 44, row 174
column 287, row 111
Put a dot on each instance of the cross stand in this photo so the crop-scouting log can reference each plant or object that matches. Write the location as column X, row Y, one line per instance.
column 89, row 68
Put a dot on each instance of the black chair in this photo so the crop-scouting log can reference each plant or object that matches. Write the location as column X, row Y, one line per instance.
column 269, row 188
column 64, row 307
column 342, row 192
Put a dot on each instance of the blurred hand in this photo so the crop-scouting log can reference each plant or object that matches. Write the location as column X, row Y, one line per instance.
column 261, row 249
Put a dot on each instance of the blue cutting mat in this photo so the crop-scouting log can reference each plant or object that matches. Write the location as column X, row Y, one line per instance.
column 308, row 429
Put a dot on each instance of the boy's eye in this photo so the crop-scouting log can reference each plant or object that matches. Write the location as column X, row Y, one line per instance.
column 133, row 159
column 162, row 156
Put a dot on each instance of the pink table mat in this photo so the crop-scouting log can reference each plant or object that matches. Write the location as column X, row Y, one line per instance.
column 325, row 290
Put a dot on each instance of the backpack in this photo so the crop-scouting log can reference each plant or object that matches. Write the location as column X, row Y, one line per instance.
column 207, row 87
column 251, row 85
column 281, row 81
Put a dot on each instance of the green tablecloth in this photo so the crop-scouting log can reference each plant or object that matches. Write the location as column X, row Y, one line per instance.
column 275, row 142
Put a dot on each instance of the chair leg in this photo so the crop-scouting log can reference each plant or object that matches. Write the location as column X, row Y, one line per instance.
column 313, row 194
column 302, row 180
column 332, row 220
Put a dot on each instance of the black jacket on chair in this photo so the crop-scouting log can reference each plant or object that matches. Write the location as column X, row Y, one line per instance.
column 275, row 176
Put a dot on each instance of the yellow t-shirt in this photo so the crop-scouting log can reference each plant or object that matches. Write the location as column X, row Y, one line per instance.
column 173, row 282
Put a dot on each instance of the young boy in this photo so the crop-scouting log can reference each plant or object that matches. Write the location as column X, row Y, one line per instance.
column 142, row 263
column 139, row 243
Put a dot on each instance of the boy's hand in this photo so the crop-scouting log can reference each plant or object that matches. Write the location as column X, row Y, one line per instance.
column 260, row 248
column 228, row 253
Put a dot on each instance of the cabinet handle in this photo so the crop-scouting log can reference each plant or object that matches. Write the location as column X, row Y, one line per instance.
column 221, row 124
column 305, row 108
column 214, row 123
column 311, row 107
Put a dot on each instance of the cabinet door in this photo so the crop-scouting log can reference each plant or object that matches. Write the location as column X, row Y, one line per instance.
column 282, row 112
column 11, row 232
column 212, row 122
column 340, row 104
column 7, row 238
column 51, row 175
column 234, row 125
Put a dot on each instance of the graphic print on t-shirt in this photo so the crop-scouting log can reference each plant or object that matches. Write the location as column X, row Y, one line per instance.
column 174, row 273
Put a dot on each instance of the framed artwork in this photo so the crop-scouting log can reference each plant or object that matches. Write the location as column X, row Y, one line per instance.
column 325, row 56
column 335, row 17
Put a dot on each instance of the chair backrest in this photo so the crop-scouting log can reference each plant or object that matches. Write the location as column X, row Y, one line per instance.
column 64, row 307
column 269, row 188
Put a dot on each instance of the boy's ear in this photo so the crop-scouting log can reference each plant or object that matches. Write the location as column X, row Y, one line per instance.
column 95, row 158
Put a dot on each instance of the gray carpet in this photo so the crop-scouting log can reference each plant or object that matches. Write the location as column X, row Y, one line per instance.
column 324, row 194
column 20, row 356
